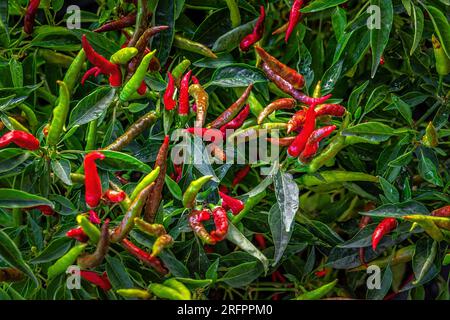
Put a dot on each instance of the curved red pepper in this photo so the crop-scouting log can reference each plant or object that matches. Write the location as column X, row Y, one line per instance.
column 221, row 222
column 312, row 145
column 257, row 33
column 95, row 71
column 238, row 121
column 183, row 108
column 45, row 210
column 30, row 15
column 195, row 80
column 240, row 175
column 101, row 281
column 144, row 256
column 294, row 18
column 299, row 143
column 169, row 101
column 92, row 182
column 383, row 228
column 77, row 234
column 235, row 205
column 22, row 139
column 94, row 218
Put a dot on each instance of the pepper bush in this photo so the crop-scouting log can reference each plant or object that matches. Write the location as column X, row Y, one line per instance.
column 353, row 206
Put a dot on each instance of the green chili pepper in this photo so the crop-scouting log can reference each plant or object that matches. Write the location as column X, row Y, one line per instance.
column 134, row 211
column 179, row 70
column 192, row 46
column 165, row 292
column 53, row 57
column 16, row 125
column 429, row 224
column 318, row 293
column 235, row 16
column 74, row 71
column 134, row 83
column 248, row 206
column 402, row 255
column 430, row 138
column 89, row 228
column 134, row 293
column 91, row 136
column 192, row 191
column 442, row 61
column 327, row 177
column 60, row 113
column 30, row 115
column 162, row 242
column 133, row 131
column 77, row 177
column 124, row 55
column 61, row 265
column 145, row 182
column 152, row 229
column 178, row 286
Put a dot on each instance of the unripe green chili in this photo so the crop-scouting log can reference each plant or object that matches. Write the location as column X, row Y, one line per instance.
column 165, row 292
column 193, row 189
column 30, row 115
column 133, row 84
column 74, row 71
column 95, row 259
column 124, row 55
column 133, row 131
column 178, row 286
column 60, row 113
column 318, row 293
column 134, row 293
column 192, row 46
column 91, row 135
column 430, row 223
column 89, row 228
column 152, row 229
column 61, row 265
column 134, row 211
column 442, row 61
column 53, row 57
column 327, row 177
column 179, row 70
column 248, row 206
column 162, row 242
column 77, row 177
column 145, row 182
column 16, row 125
column 235, row 16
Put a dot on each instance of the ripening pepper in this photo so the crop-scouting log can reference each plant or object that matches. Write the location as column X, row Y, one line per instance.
column 442, row 61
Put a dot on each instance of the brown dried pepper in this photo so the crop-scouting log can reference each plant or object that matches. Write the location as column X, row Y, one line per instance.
column 232, row 111
column 132, row 132
column 95, row 259
column 285, row 72
column 238, row 121
column 155, row 195
column 202, row 103
column 119, row 24
column 284, row 103
column 10, row 275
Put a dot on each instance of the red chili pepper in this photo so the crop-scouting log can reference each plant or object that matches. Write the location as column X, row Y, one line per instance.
column 92, row 182
column 144, row 256
column 321, row 273
column 115, row 196
column 312, row 145
column 204, row 132
column 95, row 71
column 257, row 33
column 383, row 228
column 223, row 189
column 22, row 139
column 178, row 172
column 382, row 60
column 221, row 222
column 238, row 121
column 300, row 141
column 94, row 218
column 195, row 80
column 101, row 281
column 294, row 18
column 231, row 203
column 183, row 108
column 283, row 142
column 169, row 101
column 30, row 15
column 335, row 110
column 441, row 212
column 77, row 234
column 45, row 210
column 119, row 24
column 365, row 220
column 259, row 238
column 106, row 67
column 240, row 175
column 142, row 88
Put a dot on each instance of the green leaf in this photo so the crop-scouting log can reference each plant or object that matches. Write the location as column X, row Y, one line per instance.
column 174, row 188
column 354, row 99
column 386, row 282
column 211, row 273
column 418, row 28
column 424, row 257
column 319, row 5
column 232, row 38
column 10, row 158
column 371, row 132
column 11, row 198
column 242, row 274
column 237, row 75
column 162, row 42
column 428, row 166
column 402, row 107
column 280, row 235
column 115, row 160
column 339, row 21
column 390, row 192
column 62, row 170
column 287, row 194
column 12, row 256
column 92, row 106
column 379, row 37
column 55, row 250
column 117, row 273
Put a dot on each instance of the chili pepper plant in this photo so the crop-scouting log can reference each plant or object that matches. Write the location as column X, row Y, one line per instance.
column 343, row 107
